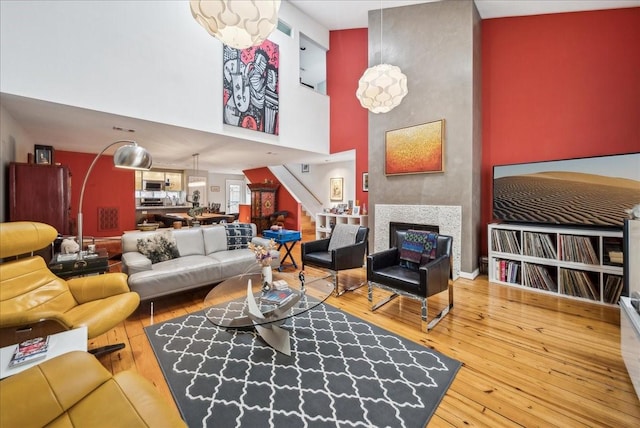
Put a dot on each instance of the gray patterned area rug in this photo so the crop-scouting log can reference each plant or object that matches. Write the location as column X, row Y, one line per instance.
column 342, row 372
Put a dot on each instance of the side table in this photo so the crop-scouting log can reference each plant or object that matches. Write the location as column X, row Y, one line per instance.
column 59, row 343
column 67, row 265
column 287, row 239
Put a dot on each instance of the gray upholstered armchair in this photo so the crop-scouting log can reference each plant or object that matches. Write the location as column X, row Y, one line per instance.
column 345, row 249
column 423, row 276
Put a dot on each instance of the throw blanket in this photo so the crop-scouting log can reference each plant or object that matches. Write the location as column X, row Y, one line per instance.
column 343, row 235
column 418, row 247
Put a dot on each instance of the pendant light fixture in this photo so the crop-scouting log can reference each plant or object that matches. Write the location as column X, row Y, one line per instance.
column 196, row 181
column 239, row 24
column 382, row 87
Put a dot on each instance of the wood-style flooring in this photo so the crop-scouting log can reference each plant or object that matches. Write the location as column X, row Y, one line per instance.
column 529, row 359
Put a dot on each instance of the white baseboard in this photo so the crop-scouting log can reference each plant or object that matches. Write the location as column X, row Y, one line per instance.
column 472, row 275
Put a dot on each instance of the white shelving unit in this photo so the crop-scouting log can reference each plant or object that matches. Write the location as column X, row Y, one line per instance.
column 325, row 222
column 577, row 263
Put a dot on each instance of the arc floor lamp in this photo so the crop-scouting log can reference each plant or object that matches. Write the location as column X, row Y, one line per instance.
column 129, row 156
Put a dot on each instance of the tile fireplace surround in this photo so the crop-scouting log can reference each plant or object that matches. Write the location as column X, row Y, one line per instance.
column 447, row 218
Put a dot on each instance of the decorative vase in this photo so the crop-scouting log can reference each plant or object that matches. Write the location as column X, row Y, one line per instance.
column 267, row 278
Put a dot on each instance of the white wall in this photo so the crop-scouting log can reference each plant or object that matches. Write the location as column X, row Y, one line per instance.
column 10, row 151
column 148, row 60
column 220, row 180
column 319, row 175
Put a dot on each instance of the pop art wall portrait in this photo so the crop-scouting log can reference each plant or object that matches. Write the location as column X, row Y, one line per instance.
column 251, row 94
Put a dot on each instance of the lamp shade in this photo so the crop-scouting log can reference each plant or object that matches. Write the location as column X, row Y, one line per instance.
column 239, row 24
column 132, row 156
column 381, row 88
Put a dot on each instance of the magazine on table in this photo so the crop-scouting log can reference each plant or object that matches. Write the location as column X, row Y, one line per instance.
column 30, row 350
column 277, row 297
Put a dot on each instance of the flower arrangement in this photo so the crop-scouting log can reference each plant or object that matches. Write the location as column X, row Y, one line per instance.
column 263, row 256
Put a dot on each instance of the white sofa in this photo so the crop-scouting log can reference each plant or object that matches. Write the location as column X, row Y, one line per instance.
column 205, row 255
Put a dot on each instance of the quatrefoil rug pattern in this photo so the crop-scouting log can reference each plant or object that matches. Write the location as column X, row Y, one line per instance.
column 343, row 372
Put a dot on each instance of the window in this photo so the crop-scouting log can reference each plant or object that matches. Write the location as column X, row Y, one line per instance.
column 313, row 65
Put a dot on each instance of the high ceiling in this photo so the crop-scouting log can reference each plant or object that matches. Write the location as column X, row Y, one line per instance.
column 340, row 15
column 70, row 128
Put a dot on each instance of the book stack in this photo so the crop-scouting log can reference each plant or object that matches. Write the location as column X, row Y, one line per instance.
column 277, row 297
column 30, row 350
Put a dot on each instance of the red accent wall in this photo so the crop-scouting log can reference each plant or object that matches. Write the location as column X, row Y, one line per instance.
column 108, row 186
column 286, row 202
column 347, row 59
column 558, row 86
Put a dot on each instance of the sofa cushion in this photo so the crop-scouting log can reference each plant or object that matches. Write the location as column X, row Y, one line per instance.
column 190, row 241
column 215, row 239
column 159, row 247
column 238, row 235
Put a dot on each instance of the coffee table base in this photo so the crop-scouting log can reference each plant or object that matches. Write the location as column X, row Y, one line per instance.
column 271, row 332
column 276, row 337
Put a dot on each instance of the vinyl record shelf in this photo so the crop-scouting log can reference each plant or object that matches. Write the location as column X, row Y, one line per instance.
column 577, row 263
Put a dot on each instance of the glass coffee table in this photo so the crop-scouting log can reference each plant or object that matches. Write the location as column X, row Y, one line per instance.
column 240, row 303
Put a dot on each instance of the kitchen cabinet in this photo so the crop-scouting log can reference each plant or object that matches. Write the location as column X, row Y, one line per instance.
column 174, row 178
column 40, row 193
column 175, row 181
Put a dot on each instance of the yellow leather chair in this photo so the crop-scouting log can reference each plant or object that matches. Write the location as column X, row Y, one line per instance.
column 75, row 390
column 35, row 302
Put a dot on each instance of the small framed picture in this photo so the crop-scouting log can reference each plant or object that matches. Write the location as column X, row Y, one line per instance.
column 43, row 154
column 356, row 210
column 305, row 167
column 365, row 181
column 335, row 184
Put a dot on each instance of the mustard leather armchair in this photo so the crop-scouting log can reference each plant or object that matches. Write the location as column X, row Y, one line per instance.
column 75, row 390
column 35, row 302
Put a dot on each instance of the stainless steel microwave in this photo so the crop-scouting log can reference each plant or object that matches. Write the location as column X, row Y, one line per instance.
column 152, row 186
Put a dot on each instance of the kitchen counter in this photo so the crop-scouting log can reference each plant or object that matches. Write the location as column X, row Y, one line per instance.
column 161, row 209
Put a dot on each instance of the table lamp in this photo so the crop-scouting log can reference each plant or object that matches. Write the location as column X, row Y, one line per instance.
column 129, row 156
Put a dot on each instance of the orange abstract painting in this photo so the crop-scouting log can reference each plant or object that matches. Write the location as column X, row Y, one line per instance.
column 416, row 149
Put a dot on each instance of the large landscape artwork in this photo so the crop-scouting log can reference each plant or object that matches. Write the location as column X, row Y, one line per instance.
column 595, row 191
column 250, row 94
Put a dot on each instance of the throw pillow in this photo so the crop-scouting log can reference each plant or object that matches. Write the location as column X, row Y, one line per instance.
column 343, row 235
column 159, row 247
column 238, row 235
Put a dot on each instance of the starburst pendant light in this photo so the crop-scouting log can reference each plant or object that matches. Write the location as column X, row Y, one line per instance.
column 382, row 87
column 237, row 23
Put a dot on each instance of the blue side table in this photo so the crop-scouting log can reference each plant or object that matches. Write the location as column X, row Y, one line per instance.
column 286, row 238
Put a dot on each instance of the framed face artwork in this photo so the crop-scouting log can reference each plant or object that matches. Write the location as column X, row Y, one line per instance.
column 336, row 188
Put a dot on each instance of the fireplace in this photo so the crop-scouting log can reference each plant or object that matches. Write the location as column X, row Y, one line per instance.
column 395, row 225
column 447, row 218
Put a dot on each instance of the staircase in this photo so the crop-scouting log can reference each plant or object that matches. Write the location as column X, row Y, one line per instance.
column 308, row 227
column 309, row 202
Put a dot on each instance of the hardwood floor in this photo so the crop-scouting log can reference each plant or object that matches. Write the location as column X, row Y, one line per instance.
column 529, row 359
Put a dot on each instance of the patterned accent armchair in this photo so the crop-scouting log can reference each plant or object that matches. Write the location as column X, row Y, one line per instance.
column 390, row 270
